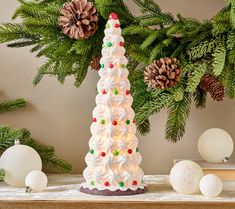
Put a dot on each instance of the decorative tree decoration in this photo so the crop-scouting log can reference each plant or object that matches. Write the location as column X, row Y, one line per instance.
column 79, row 19
column 113, row 160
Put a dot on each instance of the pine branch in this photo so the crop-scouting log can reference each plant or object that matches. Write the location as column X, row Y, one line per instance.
column 155, row 105
column 156, row 52
column 82, row 47
column 144, row 127
column 148, row 6
column 177, row 115
column 231, row 55
column 219, row 59
column 21, row 43
column 232, row 13
column 229, row 81
column 178, row 91
column 156, row 19
column 82, row 71
column 149, row 40
column 11, row 32
column 136, row 29
column 231, row 40
column 105, row 7
column 200, row 97
column 45, row 69
column 137, row 54
column 205, row 48
column 12, row 105
column 195, row 77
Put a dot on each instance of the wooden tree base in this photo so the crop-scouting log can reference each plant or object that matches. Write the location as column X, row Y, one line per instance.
column 112, row 193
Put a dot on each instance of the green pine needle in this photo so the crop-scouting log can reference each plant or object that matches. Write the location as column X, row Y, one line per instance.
column 195, row 77
column 177, row 115
column 219, row 59
column 12, row 105
column 200, row 97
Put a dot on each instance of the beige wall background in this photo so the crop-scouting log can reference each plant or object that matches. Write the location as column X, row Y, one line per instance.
column 61, row 115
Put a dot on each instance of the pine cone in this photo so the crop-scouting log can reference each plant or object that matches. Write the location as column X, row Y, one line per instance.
column 95, row 63
column 211, row 84
column 79, row 20
column 163, row 73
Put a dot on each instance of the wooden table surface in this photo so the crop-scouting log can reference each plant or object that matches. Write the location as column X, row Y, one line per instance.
column 63, row 193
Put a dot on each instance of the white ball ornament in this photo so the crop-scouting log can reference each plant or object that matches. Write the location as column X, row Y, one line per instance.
column 36, row 181
column 18, row 161
column 211, row 185
column 214, row 145
column 185, row 177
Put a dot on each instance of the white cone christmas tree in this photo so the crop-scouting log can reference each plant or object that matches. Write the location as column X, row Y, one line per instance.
column 113, row 160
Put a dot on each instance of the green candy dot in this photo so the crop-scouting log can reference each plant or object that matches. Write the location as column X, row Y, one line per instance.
column 115, row 92
column 92, row 183
column 142, row 181
column 121, row 184
column 109, row 44
column 115, row 153
column 137, row 149
column 107, row 26
column 123, row 66
column 102, row 65
column 92, row 151
column 128, row 122
column 102, row 121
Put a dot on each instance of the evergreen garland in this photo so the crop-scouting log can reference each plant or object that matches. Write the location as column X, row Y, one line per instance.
column 202, row 47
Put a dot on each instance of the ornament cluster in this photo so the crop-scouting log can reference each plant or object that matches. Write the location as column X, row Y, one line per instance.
column 22, row 165
column 187, row 177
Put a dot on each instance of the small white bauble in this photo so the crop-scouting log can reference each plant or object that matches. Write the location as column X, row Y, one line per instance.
column 185, row 177
column 214, row 145
column 211, row 185
column 18, row 161
column 36, row 181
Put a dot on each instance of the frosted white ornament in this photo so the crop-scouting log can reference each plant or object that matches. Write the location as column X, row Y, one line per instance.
column 214, row 145
column 185, row 177
column 18, row 161
column 36, row 181
column 211, row 185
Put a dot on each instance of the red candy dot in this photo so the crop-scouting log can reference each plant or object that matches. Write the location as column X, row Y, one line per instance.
column 111, row 66
column 129, row 151
column 128, row 92
column 103, row 154
column 113, row 16
column 94, row 120
column 121, row 44
column 134, row 183
column 134, row 121
column 117, row 26
column 104, row 92
column 114, row 122
column 107, row 184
